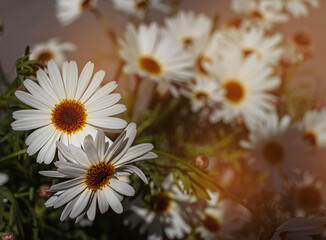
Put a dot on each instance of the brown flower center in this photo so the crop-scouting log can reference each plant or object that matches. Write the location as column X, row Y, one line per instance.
column 256, row 14
column 200, row 64
column 273, row 152
column 234, row 91
column 141, row 4
column 160, row 203
column 234, row 23
column 302, row 39
column 211, row 223
column 201, row 96
column 86, row 4
column 187, row 41
column 150, row 65
column 309, row 197
column 45, row 56
column 310, row 137
column 99, row 175
column 69, row 116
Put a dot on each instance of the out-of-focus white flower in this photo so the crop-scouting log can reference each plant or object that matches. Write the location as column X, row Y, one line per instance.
column 300, row 228
column 66, row 108
column 203, row 93
column 187, row 27
column 93, row 173
column 314, row 126
column 298, row 8
column 138, row 8
column 3, row 178
column 152, row 53
column 52, row 49
column 68, row 11
column 253, row 40
column 276, row 147
column 263, row 13
column 166, row 209
column 246, row 83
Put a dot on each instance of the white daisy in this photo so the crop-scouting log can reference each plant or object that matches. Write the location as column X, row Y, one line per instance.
column 300, row 228
column 187, row 27
column 255, row 41
column 276, row 147
column 138, row 8
column 264, row 13
column 166, row 209
column 69, row 11
column 298, row 8
column 94, row 172
column 246, row 83
column 66, row 108
column 52, row 49
column 152, row 53
column 314, row 126
column 203, row 93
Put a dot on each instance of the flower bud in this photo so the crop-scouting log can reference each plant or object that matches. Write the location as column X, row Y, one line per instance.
column 201, row 161
column 43, row 193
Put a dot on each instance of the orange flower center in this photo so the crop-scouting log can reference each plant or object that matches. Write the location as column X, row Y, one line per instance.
column 211, row 223
column 150, row 65
column 69, row 116
column 45, row 56
column 310, row 137
column 200, row 64
column 160, row 203
column 234, row 91
column 99, row 176
column 86, row 4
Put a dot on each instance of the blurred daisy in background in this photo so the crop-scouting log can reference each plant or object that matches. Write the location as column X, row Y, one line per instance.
column 246, row 83
column 66, row 108
column 300, row 228
column 187, row 27
column 52, row 49
column 204, row 93
column 299, row 8
column 69, row 11
column 94, row 172
column 154, row 54
column 138, row 8
column 263, row 13
column 277, row 148
column 255, row 41
column 166, row 210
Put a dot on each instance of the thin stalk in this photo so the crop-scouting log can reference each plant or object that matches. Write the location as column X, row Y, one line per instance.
column 215, row 185
column 20, row 152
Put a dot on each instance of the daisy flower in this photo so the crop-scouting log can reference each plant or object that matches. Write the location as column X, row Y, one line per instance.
column 52, row 49
column 203, row 93
column 69, row 11
column 93, row 171
column 166, row 210
column 187, row 27
column 152, row 53
column 298, row 8
column 138, row 8
column 246, row 83
column 299, row 228
column 255, row 41
column 263, row 13
column 66, row 108
column 3, row 178
column 276, row 147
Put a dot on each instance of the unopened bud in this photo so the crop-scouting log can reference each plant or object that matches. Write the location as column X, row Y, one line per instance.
column 43, row 193
column 201, row 161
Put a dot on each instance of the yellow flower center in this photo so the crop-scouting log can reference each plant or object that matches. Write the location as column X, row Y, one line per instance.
column 45, row 56
column 273, row 152
column 211, row 224
column 99, row 175
column 234, row 91
column 69, row 116
column 150, row 65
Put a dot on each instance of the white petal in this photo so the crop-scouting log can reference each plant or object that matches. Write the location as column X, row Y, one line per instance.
column 102, row 202
column 84, row 79
column 95, row 83
column 92, row 208
column 81, row 203
column 56, row 80
column 122, row 187
column 113, row 200
column 68, row 195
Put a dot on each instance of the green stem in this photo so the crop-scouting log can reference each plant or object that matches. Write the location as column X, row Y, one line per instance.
column 213, row 184
column 20, row 152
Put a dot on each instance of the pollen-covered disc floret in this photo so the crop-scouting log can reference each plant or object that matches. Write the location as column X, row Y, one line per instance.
column 66, row 108
column 94, row 172
column 69, row 116
column 99, row 175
